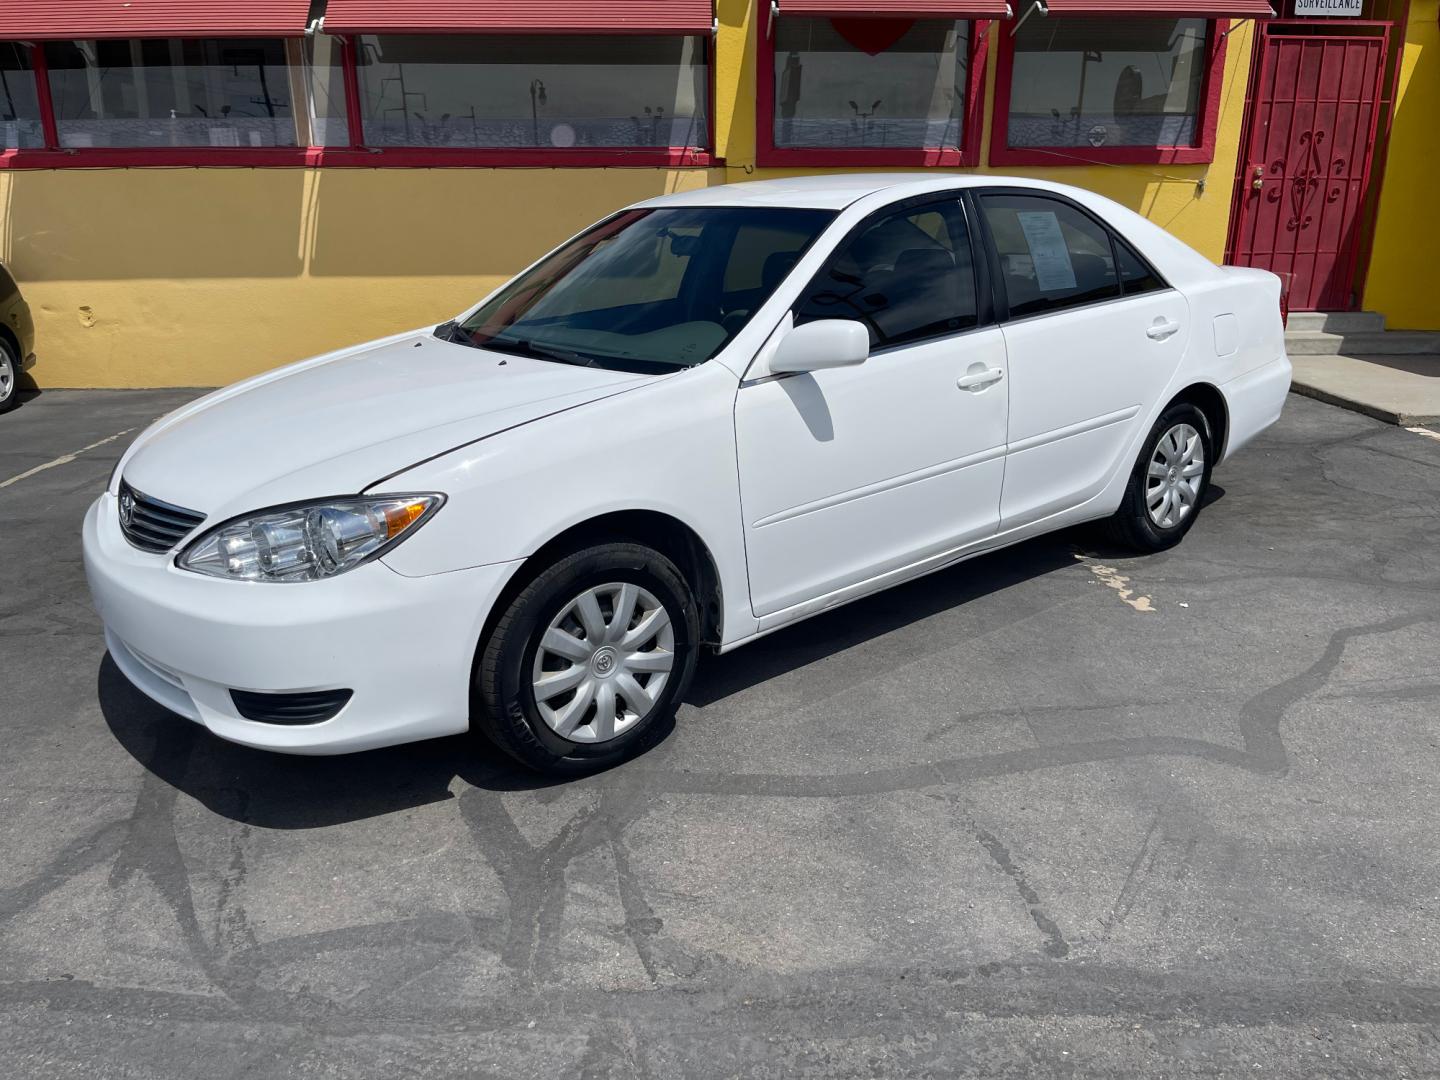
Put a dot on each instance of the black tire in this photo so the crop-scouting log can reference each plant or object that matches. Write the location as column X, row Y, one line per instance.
column 1132, row 524
column 9, row 376
column 504, row 708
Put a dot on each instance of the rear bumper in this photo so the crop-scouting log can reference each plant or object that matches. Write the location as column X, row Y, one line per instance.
column 1254, row 401
column 405, row 646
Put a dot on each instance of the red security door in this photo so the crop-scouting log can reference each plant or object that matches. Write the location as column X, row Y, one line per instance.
column 1308, row 163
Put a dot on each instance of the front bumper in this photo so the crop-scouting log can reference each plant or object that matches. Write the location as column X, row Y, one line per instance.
column 404, row 645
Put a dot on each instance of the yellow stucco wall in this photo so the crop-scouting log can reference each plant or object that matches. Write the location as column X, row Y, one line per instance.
column 196, row 277
column 1403, row 283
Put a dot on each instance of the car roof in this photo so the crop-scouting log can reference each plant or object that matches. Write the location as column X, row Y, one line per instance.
column 829, row 192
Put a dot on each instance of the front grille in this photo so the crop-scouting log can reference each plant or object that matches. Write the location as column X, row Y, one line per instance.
column 152, row 525
column 310, row 707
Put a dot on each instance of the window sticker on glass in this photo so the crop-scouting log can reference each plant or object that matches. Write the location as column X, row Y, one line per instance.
column 1053, row 270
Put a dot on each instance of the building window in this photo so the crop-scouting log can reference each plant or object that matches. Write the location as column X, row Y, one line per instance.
column 532, row 91
column 869, row 83
column 183, row 92
column 1107, row 82
column 19, row 108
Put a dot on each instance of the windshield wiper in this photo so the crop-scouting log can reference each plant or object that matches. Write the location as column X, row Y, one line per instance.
column 454, row 333
column 519, row 347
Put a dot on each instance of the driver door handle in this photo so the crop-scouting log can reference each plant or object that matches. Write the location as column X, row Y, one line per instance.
column 978, row 380
column 1161, row 329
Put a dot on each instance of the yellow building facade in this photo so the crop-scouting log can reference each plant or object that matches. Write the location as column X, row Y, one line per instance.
column 200, row 274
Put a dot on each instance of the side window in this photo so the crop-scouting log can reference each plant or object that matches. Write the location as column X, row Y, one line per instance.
column 907, row 275
column 1051, row 255
column 1135, row 276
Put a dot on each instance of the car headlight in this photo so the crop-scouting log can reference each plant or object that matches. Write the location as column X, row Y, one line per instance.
column 309, row 541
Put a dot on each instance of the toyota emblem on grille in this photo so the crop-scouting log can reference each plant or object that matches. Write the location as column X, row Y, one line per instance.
column 127, row 509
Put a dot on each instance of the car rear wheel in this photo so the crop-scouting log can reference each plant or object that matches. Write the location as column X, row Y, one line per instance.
column 588, row 662
column 9, row 372
column 1168, row 483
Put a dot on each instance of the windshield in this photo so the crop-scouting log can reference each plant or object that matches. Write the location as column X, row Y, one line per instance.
column 646, row 290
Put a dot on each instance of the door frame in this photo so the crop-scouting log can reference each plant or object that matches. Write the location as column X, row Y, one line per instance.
column 1373, row 177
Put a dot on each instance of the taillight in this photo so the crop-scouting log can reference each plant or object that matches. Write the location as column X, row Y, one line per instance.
column 1285, row 308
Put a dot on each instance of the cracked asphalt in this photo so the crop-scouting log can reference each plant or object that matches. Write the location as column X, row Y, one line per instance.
column 1055, row 812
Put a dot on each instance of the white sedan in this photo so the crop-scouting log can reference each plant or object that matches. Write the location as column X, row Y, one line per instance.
column 707, row 417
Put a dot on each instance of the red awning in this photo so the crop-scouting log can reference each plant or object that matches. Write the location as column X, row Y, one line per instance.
column 898, row 9
column 519, row 16
column 1210, row 9
column 42, row 20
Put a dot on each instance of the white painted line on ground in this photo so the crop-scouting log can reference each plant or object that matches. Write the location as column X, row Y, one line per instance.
column 1426, row 432
column 64, row 459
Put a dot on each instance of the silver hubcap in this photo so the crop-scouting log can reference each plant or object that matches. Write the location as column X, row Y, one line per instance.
column 603, row 662
column 1175, row 476
column 7, row 377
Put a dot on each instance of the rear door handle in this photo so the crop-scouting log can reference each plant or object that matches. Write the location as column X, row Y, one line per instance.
column 976, row 381
column 1160, row 329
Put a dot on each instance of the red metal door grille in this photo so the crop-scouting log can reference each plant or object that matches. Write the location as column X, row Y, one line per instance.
column 1308, row 163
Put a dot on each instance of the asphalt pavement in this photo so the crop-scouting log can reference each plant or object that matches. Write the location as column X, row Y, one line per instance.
column 1059, row 811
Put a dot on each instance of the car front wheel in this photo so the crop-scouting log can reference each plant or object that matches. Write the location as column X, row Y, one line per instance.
column 587, row 664
column 1168, row 483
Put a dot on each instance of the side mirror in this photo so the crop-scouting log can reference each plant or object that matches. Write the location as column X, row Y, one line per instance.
column 827, row 343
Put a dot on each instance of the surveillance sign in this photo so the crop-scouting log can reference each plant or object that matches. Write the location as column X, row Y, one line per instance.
column 1351, row 8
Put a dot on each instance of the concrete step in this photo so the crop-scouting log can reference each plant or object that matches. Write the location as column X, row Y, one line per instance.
column 1363, row 343
column 1336, row 322
column 1402, row 390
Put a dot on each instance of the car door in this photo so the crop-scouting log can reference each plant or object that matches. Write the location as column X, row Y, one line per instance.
column 847, row 474
column 1092, row 334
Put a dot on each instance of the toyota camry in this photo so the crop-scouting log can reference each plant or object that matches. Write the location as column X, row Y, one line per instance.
column 704, row 418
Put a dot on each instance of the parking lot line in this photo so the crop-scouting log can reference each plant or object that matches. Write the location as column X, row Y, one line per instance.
column 63, row 459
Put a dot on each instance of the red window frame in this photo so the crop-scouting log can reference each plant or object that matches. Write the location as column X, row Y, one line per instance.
column 768, row 154
column 1201, row 152
column 54, row 156
column 356, row 154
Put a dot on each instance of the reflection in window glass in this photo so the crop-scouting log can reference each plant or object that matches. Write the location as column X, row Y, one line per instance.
column 1051, row 255
column 533, row 91
column 231, row 92
column 19, row 112
column 906, row 276
column 869, row 82
column 637, row 291
column 325, row 83
column 1107, row 82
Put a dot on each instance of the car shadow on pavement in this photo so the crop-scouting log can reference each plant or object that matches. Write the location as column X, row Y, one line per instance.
column 282, row 791
column 24, row 394
column 874, row 616
column 287, row 791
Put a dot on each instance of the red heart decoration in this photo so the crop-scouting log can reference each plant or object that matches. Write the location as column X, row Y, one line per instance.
column 872, row 36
